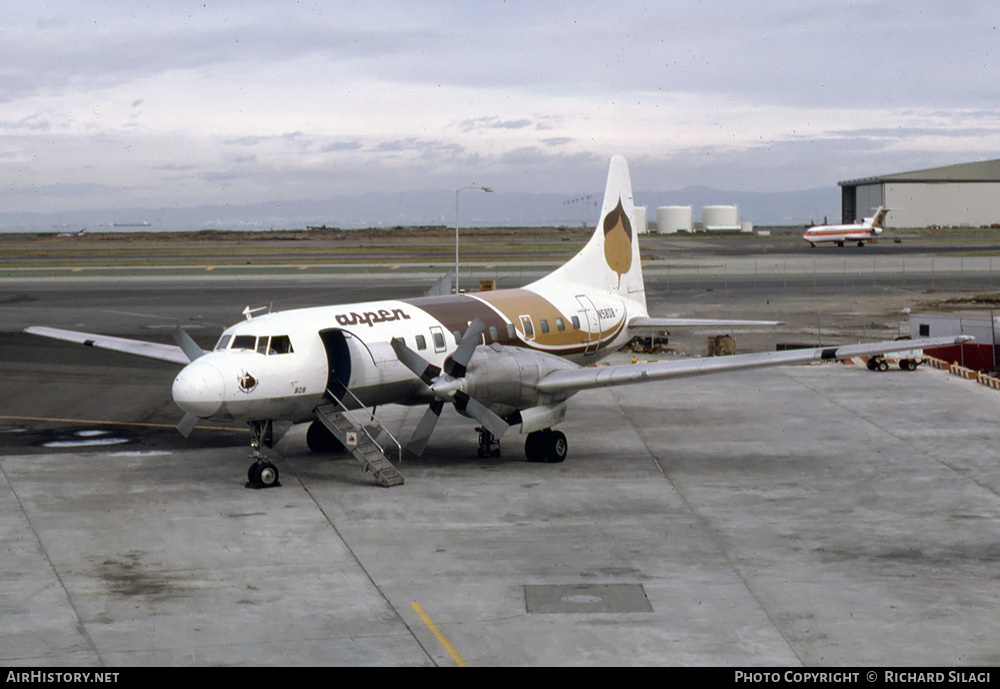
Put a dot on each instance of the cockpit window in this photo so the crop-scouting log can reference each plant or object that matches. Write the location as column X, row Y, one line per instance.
column 223, row 342
column 280, row 344
column 262, row 345
column 244, row 342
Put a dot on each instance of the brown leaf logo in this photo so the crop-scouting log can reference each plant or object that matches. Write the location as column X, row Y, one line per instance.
column 618, row 241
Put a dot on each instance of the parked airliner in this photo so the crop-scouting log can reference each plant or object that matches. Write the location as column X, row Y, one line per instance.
column 857, row 232
column 509, row 357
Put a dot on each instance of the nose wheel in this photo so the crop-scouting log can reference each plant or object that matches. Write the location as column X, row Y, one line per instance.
column 262, row 472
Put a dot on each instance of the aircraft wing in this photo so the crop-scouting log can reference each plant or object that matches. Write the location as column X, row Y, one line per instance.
column 571, row 380
column 650, row 322
column 150, row 350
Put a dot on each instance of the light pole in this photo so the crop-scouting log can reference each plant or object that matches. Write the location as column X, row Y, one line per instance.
column 457, row 191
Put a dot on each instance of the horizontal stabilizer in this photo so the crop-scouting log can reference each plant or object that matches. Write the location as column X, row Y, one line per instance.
column 150, row 350
column 572, row 380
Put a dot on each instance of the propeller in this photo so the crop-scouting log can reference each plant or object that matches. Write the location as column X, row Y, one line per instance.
column 447, row 385
column 190, row 348
column 192, row 351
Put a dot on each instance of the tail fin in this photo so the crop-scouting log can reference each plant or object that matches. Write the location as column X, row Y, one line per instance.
column 610, row 261
column 879, row 218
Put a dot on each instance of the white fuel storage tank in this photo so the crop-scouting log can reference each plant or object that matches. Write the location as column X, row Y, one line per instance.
column 670, row 219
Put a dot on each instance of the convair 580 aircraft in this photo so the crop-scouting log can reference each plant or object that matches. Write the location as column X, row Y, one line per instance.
column 510, row 357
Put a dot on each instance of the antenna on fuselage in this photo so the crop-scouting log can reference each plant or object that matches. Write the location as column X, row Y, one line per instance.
column 248, row 312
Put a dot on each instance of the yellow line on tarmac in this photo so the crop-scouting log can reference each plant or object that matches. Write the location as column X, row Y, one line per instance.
column 109, row 423
column 439, row 635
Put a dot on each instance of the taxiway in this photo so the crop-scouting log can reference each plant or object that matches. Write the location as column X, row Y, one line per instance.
column 808, row 515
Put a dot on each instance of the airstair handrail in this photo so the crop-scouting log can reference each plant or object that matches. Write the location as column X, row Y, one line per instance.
column 361, row 425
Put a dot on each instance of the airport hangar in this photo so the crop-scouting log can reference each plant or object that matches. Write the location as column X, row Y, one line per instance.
column 963, row 195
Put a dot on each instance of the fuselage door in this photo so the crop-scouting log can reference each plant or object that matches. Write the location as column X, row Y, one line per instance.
column 338, row 357
column 591, row 319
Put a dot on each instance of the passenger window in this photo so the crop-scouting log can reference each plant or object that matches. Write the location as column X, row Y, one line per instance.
column 280, row 344
column 529, row 330
column 244, row 342
column 576, row 322
column 458, row 336
column 421, row 342
column 438, row 340
column 560, row 324
column 544, row 325
column 511, row 332
column 223, row 342
column 494, row 334
column 925, row 330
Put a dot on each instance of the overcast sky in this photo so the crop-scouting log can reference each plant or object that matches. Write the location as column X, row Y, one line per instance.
column 169, row 104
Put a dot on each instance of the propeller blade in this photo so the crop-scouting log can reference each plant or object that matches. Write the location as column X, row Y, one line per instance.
column 190, row 348
column 491, row 422
column 456, row 364
column 426, row 371
column 187, row 424
column 424, row 429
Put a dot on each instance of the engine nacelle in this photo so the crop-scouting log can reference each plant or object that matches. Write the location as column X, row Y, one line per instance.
column 504, row 378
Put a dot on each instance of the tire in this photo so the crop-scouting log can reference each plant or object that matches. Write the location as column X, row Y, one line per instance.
column 533, row 447
column 556, row 447
column 268, row 477
column 319, row 439
column 883, row 366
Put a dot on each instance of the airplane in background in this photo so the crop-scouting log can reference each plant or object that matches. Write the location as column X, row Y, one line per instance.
column 78, row 233
column 505, row 358
column 857, row 232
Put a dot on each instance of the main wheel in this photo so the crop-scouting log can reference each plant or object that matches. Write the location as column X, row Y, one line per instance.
column 319, row 439
column 534, row 446
column 555, row 447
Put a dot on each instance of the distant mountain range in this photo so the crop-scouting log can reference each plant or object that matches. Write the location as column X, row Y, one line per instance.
column 385, row 209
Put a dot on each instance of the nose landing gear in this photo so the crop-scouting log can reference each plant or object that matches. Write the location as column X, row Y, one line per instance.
column 262, row 472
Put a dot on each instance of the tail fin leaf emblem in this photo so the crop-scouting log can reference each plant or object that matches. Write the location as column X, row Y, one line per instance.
column 618, row 240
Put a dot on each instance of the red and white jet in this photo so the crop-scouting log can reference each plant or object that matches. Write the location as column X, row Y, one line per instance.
column 857, row 232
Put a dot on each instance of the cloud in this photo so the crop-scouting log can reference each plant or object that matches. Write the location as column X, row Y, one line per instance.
column 188, row 102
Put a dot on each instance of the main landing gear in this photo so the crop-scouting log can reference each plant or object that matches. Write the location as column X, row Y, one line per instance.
column 262, row 473
column 319, row 439
column 489, row 444
column 546, row 446
column 541, row 446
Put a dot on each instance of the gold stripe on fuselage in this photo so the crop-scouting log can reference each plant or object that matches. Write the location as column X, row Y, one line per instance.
column 498, row 308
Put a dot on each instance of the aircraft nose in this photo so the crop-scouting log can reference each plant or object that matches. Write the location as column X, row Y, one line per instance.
column 198, row 389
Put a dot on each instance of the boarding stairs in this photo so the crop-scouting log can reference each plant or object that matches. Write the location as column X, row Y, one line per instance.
column 368, row 441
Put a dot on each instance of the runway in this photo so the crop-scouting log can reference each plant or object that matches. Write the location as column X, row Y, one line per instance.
column 815, row 515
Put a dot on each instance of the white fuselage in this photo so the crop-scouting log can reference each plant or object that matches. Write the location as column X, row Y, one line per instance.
column 840, row 233
column 280, row 365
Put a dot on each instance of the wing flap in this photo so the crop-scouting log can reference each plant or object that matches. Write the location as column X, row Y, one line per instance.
column 572, row 380
column 150, row 350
